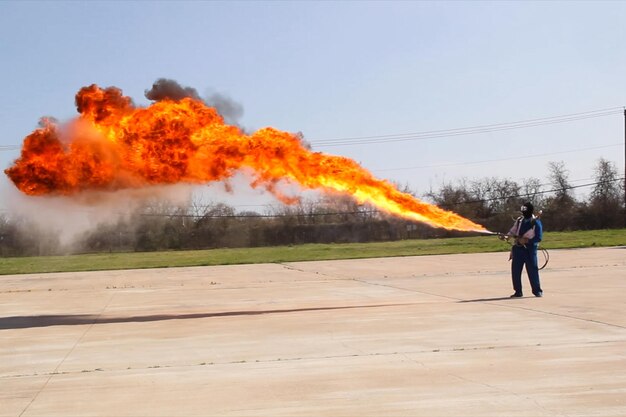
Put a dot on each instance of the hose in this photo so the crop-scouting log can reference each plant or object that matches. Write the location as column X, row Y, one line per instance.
column 505, row 238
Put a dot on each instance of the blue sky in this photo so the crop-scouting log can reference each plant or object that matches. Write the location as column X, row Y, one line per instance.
column 345, row 69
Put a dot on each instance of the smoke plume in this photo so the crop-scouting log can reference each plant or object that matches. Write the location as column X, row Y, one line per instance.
column 168, row 89
column 229, row 109
column 164, row 88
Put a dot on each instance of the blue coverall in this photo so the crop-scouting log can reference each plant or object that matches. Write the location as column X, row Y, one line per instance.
column 527, row 255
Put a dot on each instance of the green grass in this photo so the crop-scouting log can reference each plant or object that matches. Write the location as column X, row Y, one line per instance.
column 308, row 252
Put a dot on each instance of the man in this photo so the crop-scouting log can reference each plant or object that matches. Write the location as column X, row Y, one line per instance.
column 528, row 232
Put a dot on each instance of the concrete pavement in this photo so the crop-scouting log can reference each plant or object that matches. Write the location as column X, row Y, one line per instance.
column 411, row 336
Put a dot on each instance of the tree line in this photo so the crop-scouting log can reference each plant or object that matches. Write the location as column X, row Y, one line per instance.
column 490, row 201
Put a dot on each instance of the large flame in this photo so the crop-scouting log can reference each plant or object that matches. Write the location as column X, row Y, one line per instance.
column 114, row 145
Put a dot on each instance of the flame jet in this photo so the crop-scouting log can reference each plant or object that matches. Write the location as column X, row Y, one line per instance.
column 114, row 145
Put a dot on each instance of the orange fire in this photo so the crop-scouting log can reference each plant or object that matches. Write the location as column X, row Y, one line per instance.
column 114, row 145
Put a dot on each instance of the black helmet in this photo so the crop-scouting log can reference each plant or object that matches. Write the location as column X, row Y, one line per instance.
column 527, row 209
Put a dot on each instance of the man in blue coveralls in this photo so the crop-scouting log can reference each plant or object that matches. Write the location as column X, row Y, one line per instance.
column 528, row 232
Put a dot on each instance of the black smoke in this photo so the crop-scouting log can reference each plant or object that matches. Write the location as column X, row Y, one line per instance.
column 164, row 88
column 167, row 89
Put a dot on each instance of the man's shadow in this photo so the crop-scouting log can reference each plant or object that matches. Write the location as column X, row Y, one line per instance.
column 26, row 322
column 482, row 300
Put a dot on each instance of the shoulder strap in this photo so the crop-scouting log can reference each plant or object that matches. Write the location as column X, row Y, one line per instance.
column 518, row 224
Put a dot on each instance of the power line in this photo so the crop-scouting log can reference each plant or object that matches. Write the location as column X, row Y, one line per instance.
column 486, row 200
column 269, row 216
column 498, row 160
column 8, row 147
column 433, row 134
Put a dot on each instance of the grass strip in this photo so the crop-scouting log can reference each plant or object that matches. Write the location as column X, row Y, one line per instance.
column 305, row 252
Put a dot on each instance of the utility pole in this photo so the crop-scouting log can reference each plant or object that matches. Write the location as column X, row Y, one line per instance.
column 624, row 166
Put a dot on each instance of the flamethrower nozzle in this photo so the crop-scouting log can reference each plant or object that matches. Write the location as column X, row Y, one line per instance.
column 499, row 235
column 488, row 232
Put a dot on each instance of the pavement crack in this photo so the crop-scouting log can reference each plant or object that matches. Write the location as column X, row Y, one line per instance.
column 360, row 354
column 500, row 389
column 535, row 310
column 55, row 372
column 363, row 281
column 324, row 274
column 496, row 304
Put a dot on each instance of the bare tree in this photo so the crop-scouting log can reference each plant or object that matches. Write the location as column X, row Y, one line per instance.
column 559, row 180
column 454, row 197
column 605, row 201
column 560, row 209
column 531, row 191
column 608, row 187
